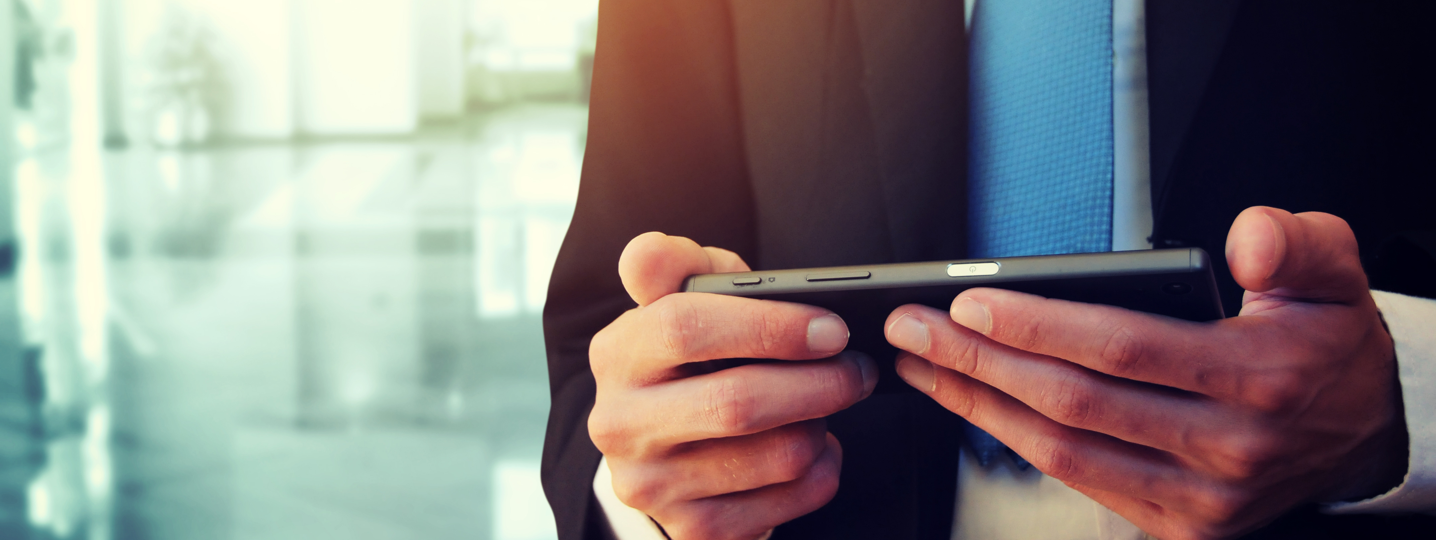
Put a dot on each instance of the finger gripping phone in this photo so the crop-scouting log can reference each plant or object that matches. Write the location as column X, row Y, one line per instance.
column 1176, row 283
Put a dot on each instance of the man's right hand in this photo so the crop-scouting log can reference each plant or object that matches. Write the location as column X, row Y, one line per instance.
column 727, row 453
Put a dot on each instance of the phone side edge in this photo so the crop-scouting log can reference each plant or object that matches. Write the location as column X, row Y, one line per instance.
column 1200, row 262
column 1199, row 259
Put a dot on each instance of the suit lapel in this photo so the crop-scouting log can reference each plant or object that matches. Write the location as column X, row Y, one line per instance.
column 914, row 73
column 1183, row 41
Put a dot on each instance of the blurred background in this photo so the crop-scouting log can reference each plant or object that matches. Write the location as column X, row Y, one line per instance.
column 274, row 268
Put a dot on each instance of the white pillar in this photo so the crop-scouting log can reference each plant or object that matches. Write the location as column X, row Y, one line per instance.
column 440, row 58
column 111, row 42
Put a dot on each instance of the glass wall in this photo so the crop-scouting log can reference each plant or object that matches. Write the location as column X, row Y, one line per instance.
column 274, row 268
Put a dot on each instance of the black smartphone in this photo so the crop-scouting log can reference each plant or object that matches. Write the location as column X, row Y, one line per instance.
column 1177, row 283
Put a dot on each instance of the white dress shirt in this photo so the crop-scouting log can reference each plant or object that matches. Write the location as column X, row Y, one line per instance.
column 1003, row 503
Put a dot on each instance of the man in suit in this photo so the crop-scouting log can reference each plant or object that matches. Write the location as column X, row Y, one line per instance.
column 797, row 134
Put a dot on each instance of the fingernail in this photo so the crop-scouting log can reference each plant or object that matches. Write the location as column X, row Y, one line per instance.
column 909, row 333
column 917, row 372
column 868, row 373
column 827, row 334
column 971, row 314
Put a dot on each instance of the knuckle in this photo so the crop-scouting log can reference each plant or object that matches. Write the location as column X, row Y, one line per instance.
column 607, row 435
column 827, row 384
column 729, row 406
column 966, row 358
column 1121, row 353
column 824, row 488
column 818, row 487
column 700, row 525
column 771, row 331
column 676, row 321
column 1070, row 401
column 839, row 386
column 1026, row 334
column 709, row 521
column 1056, row 456
column 601, row 352
column 636, row 492
column 614, row 433
column 1275, row 392
column 793, row 457
column 1218, row 509
column 963, row 403
column 1195, row 531
column 1249, row 456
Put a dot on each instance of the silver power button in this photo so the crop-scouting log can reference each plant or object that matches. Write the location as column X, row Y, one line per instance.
column 972, row 269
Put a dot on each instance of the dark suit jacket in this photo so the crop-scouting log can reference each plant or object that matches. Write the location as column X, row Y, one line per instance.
column 827, row 132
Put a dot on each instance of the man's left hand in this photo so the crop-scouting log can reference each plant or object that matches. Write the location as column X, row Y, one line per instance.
column 1188, row 430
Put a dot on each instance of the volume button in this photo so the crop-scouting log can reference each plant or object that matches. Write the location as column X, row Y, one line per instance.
column 837, row 276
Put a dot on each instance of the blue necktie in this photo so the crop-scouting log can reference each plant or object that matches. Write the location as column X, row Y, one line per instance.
column 1041, row 141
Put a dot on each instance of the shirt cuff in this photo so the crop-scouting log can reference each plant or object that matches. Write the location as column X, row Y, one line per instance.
column 627, row 523
column 1412, row 327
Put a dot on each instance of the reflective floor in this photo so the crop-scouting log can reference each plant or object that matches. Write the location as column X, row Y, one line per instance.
column 331, row 339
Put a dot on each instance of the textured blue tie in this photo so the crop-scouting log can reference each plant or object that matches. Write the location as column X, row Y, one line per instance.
column 1041, row 142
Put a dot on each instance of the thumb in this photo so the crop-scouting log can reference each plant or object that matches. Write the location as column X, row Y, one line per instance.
column 1311, row 256
column 654, row 265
